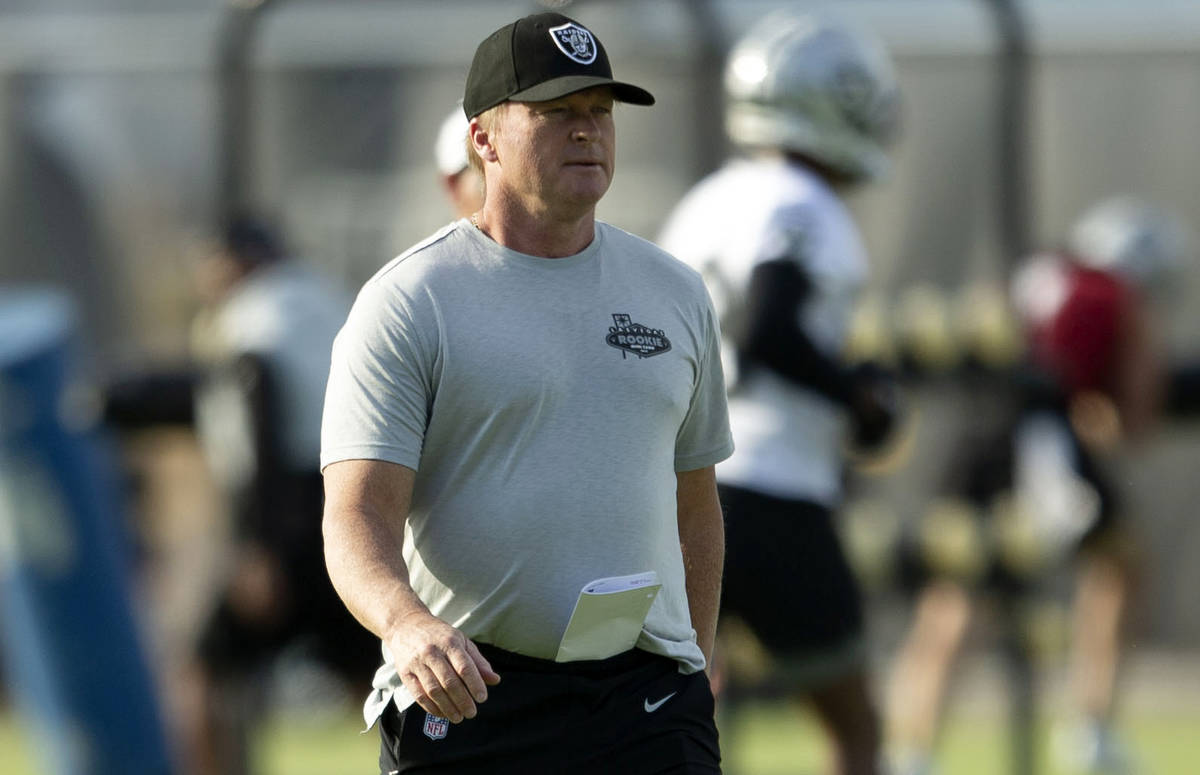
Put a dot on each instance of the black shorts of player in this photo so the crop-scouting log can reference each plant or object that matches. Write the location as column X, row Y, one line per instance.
column 633, row 714
column 787, row 577
column 981, row 474
column 309, row 615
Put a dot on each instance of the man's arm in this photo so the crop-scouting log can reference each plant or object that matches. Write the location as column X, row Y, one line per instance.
column 366, row 505
column 702, row 540
column 1141, row 379
column 774, row 338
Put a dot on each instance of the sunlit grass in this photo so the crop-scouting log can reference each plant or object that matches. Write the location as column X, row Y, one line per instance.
column 763, row 739
column 291, row 745
column 16, row 750
column 775, row 739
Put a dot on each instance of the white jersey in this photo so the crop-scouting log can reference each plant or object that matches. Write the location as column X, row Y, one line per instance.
column 288, row 316
column 788, row 439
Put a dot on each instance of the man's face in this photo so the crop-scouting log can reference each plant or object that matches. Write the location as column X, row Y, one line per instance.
column 557, row 155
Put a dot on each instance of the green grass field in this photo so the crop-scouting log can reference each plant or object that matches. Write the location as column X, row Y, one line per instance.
column 765, row 739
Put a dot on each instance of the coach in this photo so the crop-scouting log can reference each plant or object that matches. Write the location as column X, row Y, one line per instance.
column 490, row 446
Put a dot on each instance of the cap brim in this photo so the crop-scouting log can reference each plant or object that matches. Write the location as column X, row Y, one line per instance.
column 569, row 84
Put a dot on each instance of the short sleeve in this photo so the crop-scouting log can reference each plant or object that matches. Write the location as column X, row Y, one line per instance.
column 704, row 438
column 380, row 380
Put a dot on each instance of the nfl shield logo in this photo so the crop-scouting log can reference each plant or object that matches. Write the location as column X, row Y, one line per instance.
column 574, row 41
column 436, row 727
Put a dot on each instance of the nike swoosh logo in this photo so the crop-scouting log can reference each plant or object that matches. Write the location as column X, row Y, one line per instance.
column 653, row 706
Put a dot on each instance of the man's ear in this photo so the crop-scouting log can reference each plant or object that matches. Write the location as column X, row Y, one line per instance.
column 481, row 139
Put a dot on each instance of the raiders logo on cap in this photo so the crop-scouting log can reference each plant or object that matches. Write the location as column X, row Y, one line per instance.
column 575, row 41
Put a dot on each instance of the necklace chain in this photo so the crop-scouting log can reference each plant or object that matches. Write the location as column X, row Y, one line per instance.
column 475, row 220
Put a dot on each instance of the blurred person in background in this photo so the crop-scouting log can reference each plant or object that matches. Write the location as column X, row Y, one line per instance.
column 813, row 103
column 1036, row 488
column 460, row 181
column 261, row 349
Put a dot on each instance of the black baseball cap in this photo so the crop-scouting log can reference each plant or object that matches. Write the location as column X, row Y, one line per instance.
column 541, row 57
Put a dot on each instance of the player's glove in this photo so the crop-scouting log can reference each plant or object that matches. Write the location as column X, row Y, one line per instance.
column 875, row 406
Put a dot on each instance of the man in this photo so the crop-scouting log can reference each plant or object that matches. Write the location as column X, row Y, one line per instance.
column 1095, row 380
column 526, row 402
column 813, row 102
column 263, row 343
column 459, row 180
column 260, row 353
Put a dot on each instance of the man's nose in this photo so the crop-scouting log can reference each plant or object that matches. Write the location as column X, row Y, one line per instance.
column 586, row 128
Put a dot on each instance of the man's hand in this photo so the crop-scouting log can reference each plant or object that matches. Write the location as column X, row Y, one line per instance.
column 440, row 667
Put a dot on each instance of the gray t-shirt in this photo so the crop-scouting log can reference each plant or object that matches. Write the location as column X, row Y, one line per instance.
column 546, row 405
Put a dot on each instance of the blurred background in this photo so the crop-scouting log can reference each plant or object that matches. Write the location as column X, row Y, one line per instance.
column 129, row 128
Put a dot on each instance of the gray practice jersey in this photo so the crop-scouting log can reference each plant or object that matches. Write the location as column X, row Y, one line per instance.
column 547, row 405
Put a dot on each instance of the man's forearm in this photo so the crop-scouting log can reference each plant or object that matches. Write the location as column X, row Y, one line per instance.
column 368, row 572
column 703, row 562
column 702, row 541
column 366, row 505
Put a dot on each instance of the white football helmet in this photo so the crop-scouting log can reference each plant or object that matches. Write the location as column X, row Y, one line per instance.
column 813, row 86
column 1132, row 237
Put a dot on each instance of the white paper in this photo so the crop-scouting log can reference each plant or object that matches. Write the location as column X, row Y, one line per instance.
column 608, row 616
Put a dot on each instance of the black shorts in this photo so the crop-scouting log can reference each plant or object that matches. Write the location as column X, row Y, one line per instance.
column 787, row 577
column 982, row 474
column 634, row 713
column 314, row 621
column 310, row 616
